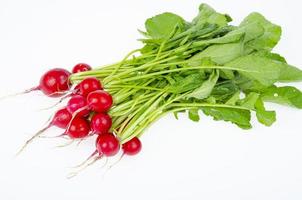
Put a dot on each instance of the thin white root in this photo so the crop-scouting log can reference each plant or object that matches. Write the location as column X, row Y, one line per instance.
column 65, row 144
column 83, row 139
column 105, row 163
column 86, row 160
column 63, row 136
column 57, row 103
column 30, row 140
column 75, row 173
column 112, row 165
column 116, row 162
column 19, row 93
column 79, row 142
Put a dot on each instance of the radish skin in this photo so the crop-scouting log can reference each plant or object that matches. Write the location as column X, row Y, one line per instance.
column 61, row 119
column 81, row 67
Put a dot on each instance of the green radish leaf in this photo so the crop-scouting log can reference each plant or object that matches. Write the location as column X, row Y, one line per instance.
column 286, row 95
column 237, row 116
column 176, row 114
column 227, row 74
column 224, row 91
column 211, row 100
column 250, row 100
column 245, row 33
column 248, row 85
column 187, row 83
column 231, row 46
column 231, row 37
column 290, row 74
column 193, row 115
column 265, row 117
column 263, row 70
column 270, row 55
column 205, row 89
column 143, row 33
column 208, row 15
column 217, row 32
column 164, row 26
column 234, row 99
column 271, row 35
column 253, row 102
column 251, row 31
column 219, row 53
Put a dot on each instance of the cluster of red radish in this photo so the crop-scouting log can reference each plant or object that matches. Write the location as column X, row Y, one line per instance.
column 86, row 111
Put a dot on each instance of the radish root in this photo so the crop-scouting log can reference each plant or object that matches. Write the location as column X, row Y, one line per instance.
column 86, row 160
column 65, row 144
column 112, row 165
column 57, row 103
column 20, row 93
column 83, row 167
column 30, row 140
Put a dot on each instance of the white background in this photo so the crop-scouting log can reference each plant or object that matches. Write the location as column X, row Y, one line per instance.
column 180, row 159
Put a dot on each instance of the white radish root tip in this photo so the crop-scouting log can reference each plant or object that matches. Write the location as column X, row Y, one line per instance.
column 30, row 140
column 57, row 103
column 80, row 169
column 114, row 164
column 65, row 144
column 86, row 160
column 20, row 93
column 56, row 136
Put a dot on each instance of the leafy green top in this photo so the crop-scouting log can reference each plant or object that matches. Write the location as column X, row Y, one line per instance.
column 207, row 64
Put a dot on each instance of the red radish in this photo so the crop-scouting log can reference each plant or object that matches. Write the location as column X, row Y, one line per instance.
column 61, row 119
column 132, row 147
column 81, row 67
column 77, row 90
column 83, row 88
column 88, row 85
column 107, row 144
column 99, row 101
column 78, row 128
column 77, row 104
column 54, row 82
column 101, row 123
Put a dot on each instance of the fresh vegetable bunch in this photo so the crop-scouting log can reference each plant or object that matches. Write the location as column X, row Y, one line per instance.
column 206, row 65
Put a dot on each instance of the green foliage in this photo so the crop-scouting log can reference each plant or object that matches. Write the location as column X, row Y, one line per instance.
column 209, row 15
column 205, row 89
column 164, row 26
column 237, row 116
column 283, row 95
column 207, row 65
column 270, row 36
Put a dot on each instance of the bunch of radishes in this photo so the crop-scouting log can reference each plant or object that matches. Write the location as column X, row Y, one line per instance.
column 86, row 112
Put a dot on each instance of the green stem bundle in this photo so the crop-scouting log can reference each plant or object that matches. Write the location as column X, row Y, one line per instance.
column 225, row 71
